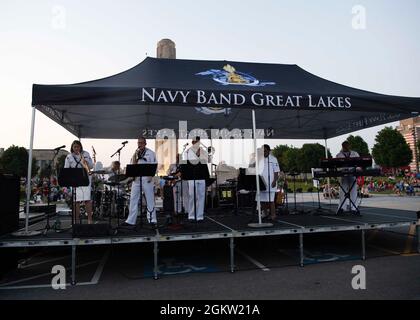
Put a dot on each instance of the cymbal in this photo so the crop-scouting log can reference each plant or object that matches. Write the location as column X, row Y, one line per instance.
column 117, row 178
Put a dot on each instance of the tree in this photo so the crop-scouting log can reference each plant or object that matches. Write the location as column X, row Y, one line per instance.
column 309, row 157
column 291, row 160
column 359, row 145
column 279, row 152
column 391, row 150
column 60, row 163
column 15, row 160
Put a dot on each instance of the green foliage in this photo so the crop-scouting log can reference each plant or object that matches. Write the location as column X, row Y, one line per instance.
column 391, row 150
column 299, row 159
column 359, row 145
column 279, row 152
column 309, row 156
column 15, row 160
column 60, row 162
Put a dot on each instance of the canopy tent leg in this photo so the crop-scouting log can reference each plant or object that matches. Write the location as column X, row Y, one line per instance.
column 155, row 260
column 328, row 179
column 232, row 254
column 363, row 245
column 259, row 224
column 26, row 232
column 301, row 253
column 73, row 265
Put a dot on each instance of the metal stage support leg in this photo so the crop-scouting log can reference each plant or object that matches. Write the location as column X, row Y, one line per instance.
column 73, row 265
column 232, row 255
column 155, row 260
column 301, row 249
column 363, row 245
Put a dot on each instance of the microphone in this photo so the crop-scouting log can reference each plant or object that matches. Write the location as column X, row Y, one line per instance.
column 186, row 144
column 58, row 148
column 125, row 142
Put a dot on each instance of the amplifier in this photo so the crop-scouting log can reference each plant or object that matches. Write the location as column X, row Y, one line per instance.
column 9, row 219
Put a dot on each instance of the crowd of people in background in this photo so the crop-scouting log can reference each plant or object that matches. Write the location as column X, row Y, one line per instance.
column 40, row 190
column 408, row 185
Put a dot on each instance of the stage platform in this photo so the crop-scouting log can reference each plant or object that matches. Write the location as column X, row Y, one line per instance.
column 218, row 226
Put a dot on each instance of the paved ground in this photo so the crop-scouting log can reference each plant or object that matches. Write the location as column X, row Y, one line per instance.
column 266, row 267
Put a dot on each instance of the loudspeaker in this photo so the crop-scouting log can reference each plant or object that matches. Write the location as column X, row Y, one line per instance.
column 9, row 200
column 91, row 230
column 9, row 219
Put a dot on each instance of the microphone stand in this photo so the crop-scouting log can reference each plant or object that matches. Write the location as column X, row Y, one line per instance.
column 118, row 188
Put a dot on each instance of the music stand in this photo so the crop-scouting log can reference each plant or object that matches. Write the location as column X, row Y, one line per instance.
column 249, row 182
column 190, row 171
column 73, row 178
column 141, row 170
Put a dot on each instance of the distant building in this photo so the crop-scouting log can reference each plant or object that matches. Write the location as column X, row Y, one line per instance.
column 166, row 49
column 166, row 153
column 410, row 129
column 44, row 157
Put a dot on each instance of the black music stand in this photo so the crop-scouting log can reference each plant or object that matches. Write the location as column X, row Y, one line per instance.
column 190, row 171
column 141, row 170
column 73, row 178
column 249, row 182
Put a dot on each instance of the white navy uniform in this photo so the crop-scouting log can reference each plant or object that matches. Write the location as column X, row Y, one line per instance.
column 74, row 161
column 147, row 188
column 346, row 183
column 200, row 185
column 267, row 168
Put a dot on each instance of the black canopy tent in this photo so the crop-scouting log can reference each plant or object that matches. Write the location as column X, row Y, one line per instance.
column 290, row 103
column 157, row 93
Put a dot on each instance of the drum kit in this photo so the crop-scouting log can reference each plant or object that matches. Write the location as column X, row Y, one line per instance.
column 111, row 196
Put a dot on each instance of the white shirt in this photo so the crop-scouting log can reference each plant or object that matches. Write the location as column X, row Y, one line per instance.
column 148, row 157
column 191, row 155
column 74, row 161
column 350, row 154
column 267, row 168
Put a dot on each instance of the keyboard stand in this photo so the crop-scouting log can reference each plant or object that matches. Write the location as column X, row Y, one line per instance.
column 347, row 195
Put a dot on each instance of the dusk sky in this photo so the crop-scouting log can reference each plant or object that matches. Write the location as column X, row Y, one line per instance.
column 60, row 42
